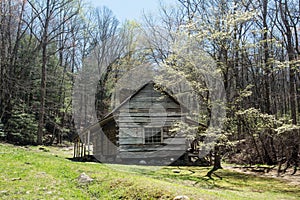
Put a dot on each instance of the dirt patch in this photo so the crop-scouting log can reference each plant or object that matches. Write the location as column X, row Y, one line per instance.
column 271, row 173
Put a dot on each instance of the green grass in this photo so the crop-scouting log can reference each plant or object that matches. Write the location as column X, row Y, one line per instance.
column 30, row 173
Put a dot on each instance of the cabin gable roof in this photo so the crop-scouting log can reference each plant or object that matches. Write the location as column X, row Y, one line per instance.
column 136, row 92
column 110, row 116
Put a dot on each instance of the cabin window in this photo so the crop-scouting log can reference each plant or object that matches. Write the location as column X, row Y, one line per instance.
column 152, row 135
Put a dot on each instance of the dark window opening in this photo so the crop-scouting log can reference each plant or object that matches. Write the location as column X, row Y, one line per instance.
column 152, row 135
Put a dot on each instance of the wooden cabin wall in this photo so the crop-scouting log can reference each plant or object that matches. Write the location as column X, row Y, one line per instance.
column 105, row 140
column 96, row 139
column 110, row 142
column 134, row 116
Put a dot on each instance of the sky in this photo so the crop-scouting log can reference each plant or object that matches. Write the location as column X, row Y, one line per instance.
column 130, row 9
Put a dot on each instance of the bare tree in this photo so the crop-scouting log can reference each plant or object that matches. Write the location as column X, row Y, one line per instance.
column 288, row 28
column 46, row 30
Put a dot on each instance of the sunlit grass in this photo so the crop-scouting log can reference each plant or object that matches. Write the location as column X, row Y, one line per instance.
column 39, row 173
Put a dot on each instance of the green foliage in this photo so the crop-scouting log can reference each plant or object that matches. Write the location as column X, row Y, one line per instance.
column 2, row 133
column 287, row 128
column 21, row 128
column 261, row 138
column 256, row 120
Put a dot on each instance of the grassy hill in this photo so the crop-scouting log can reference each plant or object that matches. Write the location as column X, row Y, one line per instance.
column 46, row 173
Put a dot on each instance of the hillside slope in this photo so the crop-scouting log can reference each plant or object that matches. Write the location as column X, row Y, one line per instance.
column 46, row 173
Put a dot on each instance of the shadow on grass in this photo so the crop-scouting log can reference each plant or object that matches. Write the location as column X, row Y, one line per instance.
column 196, row 177
column 89, row 158
column 231, row 181
column 257, row 183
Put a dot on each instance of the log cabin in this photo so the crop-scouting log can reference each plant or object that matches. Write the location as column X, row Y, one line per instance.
column 140, row 128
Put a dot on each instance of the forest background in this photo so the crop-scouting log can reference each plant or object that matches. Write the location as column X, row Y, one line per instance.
column 255, row 43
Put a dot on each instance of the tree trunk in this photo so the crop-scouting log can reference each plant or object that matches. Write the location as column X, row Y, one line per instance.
column 267, row 100
column 292, row 56
column 43, row 96
column 217, row 162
